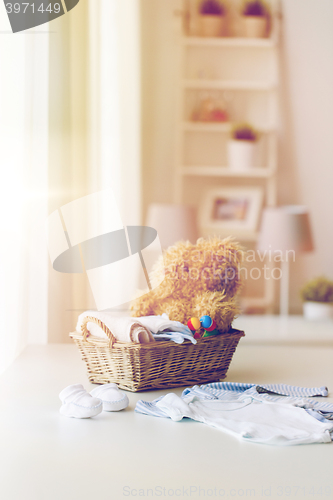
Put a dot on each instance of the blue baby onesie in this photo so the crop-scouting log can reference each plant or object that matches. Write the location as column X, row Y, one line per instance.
column 268, row 414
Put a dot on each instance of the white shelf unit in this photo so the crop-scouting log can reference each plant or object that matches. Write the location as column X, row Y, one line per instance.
column 247, row 70
column 229, row 42
column 209, row 171
column 228, row 84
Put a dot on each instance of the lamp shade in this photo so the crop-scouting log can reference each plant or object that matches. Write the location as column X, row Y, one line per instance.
column 285, row 228
column 172, row 222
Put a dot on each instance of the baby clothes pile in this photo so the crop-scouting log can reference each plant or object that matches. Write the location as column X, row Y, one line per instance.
column 141, row 330
column 266, row 414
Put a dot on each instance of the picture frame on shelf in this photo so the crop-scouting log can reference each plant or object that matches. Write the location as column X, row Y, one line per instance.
column 231, row 210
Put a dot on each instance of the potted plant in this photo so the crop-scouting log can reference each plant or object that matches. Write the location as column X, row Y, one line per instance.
column 254, row 16
column 317, row 296
column 241, row 146
column 211, row 18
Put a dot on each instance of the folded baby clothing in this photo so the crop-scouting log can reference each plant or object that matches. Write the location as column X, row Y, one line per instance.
column 113, row 399
column 143, row 330
column 78, row 403
column 161, row 323
column 176, row 337
column 124, row 329
column 268, row 414
column 163, row 328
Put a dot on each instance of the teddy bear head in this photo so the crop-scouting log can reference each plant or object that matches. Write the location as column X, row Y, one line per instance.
column 209, row 265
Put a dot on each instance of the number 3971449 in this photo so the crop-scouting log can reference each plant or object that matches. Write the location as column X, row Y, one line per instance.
column 23, row 8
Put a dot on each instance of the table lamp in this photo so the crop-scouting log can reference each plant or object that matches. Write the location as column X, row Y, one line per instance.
column 172, row 222
column 283, row 229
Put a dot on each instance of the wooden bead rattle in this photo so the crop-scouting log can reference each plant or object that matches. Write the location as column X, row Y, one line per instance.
column 209, row 325
column 194, row 325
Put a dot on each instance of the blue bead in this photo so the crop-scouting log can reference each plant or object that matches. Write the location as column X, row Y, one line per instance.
column 206, row 321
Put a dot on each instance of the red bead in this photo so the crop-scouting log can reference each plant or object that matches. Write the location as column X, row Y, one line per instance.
column 212, row 326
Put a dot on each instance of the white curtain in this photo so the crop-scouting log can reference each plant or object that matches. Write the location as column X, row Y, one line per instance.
column 23, row 189
column 70, row 126
column 114, row 107
column 95, row 128
column 114, row 91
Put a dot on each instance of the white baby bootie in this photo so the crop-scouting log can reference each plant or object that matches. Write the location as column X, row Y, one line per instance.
column 78, row 403
column 113, row 399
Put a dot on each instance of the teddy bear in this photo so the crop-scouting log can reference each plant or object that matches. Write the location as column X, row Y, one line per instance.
column 200, row 279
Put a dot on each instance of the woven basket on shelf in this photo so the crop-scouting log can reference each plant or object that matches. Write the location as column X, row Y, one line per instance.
column 156, row 365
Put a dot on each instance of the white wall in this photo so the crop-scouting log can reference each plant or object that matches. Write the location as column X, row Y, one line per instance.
column 306, row 151
column 306, row 146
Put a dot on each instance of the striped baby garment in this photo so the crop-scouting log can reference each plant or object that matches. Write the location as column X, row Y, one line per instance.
column 268, row 414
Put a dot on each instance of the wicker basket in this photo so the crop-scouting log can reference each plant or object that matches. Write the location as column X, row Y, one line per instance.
column 156, row 365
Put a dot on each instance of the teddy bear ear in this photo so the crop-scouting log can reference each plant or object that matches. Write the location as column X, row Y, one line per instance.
column 226, row 247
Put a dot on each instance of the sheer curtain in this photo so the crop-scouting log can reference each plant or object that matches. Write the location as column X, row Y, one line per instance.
column 23, row 189
column 70, row 126
column 114, row 97
column 114, row 111
column 94, row 128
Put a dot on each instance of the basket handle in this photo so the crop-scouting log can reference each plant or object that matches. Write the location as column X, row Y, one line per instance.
column 91, row 319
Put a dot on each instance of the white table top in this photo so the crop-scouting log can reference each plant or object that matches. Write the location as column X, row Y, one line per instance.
column 293, row 329
column 45, row 456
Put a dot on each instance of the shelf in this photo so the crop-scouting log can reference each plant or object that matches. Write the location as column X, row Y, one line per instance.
column 249, row 302
column 196, row 41
column 245, row 73
column 240, row 235
column 228, row 84
column 206, row 126
column 197, row 126
column 207, row 171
